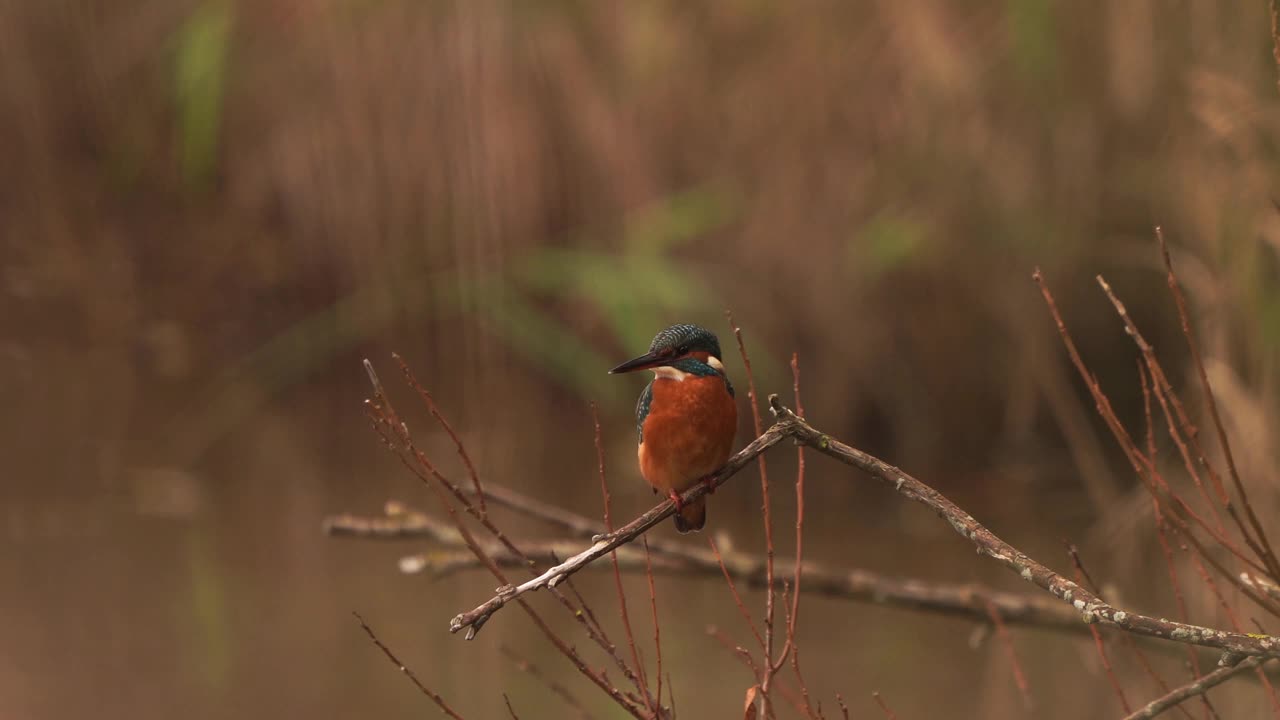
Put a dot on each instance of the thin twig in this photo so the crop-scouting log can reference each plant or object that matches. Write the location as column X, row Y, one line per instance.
column 1082, row 576
column 767, row 513
column 395, row 435
column 962, row 600
column 617, row 574
column 457, row 442
column 1019, row 678
column 1199, row 687
column 653, row 607
column 808, row 708
column 1144, row 468
column 733, row 590
column 439, row 701
column 744, row 656
column 1162, row 386
column 794, row 616
column 606, row 543
column 1194, row 659
column 884, row 707
column 844, row 709
column 596, row 633
column 1235, row 623
column 1188, row 332
column 1091, row 608
column 556, row 688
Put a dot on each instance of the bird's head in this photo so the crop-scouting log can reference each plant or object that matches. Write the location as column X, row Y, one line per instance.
column 676, row 343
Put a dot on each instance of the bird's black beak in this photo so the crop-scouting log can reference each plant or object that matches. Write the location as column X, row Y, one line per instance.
column 648, row 360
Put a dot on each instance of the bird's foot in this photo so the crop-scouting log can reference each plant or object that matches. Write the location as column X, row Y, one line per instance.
column 711, row 487
column 675, row 498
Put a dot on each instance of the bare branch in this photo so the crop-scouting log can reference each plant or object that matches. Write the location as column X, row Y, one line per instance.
column 1092, row 609
column 1268, row 555
column 767, row 514
column 1190, row 690
column 733, row 590
column 395, row 435
column 439, row 701
column 884, row 707
column 1019, row 678
column 556, row 688
column 642, row 683
column 604, row 544
column 962, row 600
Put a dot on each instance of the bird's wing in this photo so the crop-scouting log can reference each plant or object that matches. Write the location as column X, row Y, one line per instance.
column 642, row 408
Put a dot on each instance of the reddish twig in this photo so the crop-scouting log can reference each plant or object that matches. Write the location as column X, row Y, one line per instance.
column 844, row 709
column 795, row 600
column 768, row 521
column 737, row 598
column 1145, row 470
column 736, row 650
column 884, row 707
column 556, row 688
column 604, row 544
column 1193, row 658
column 510, row 710
column 617, row 573
column 748, row 661
column 1235, row 624
column 962, row 600
column 1019, row 678
column 807, row 708
column 439, row 701
column 457, row 442
column 1175, row 288
column 1090, row 606
column 1164, row 389
column 395, row 434
column 1082, row 576
column 653, row 606
column 586, row 618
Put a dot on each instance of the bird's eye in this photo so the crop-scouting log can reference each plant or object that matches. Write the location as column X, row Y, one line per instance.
column 682, row 350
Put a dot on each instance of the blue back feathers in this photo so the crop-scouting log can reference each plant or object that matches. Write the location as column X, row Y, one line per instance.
column 642, row 408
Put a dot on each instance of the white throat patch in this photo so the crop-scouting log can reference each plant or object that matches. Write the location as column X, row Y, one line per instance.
column 670, row 373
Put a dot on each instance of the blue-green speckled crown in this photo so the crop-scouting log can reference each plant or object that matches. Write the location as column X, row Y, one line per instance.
column 684, row 339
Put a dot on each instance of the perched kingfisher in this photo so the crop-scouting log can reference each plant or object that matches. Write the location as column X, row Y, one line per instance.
column 686, row 416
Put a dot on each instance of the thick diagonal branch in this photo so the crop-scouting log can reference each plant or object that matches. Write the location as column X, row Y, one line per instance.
column 1092, row 609
column 603, row 544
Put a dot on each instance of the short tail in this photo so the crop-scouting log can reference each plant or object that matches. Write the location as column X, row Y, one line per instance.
column 692, row 516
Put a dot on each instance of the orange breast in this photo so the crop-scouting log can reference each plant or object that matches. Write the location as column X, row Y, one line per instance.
column 688, row 432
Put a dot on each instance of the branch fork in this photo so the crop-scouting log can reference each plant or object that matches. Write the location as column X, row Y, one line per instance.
column 1091, row 608
column 603, row 544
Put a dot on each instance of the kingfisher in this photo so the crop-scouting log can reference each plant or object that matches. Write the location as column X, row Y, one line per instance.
column 686, row 416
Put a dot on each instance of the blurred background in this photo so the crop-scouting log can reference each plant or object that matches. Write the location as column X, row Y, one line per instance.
column 211, row 211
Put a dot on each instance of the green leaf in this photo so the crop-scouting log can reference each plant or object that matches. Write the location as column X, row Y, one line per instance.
column 199, row 84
